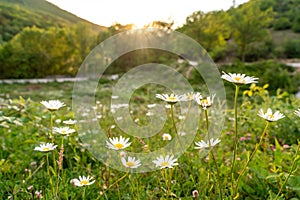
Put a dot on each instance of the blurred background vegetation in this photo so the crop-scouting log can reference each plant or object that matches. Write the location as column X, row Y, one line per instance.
column 38, row 39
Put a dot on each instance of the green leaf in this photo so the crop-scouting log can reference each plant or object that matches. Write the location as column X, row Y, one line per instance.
column 277, row 153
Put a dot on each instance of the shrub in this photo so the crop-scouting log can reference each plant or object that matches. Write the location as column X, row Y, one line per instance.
column 282, row 23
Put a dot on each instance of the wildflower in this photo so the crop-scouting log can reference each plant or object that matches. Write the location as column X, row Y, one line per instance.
column 191, row 96
column 181, row 133
column 168, row 106
column 171, row 99
column 149, row 114
column 202, row 144
column 64, row 130
column 70, row 122
column 165, row 162
column 118, row 143
column 53, row 105
column 166, row 136
column 151, row 105
column 239, row 79
column 243, row 138
column 206, row 102
column 195, row 194
column 131, row 162
column 270, row 116
column 122, row 154
column 82, row 181
column 30, row 187
column 180, row 117
column 39, row 194
column 45, row 147
column 297, row 112
column 285, row 146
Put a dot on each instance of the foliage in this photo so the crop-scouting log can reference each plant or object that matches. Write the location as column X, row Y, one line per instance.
column 249, row 25
column 209, row 29
column 282, row 24
column 286, row 77
column 25, row 123
column 292, row 48
column 38, row 52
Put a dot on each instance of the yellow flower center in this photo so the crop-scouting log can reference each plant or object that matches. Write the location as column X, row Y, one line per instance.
column 166, row 137
column 84, row 182
column 271, row 116
column 164, row 164
column 204, row 101
column 239, row 79
column 172, row 99
column 63, row 131
column 46, row 148
column 130, row 164
column 119, row 145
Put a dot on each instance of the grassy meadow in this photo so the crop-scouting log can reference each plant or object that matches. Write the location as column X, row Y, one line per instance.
column 271, row 172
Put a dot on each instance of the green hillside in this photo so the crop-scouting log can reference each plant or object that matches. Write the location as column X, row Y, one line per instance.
column 18, row 14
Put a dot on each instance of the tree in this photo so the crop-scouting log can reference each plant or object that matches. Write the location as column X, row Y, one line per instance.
column 249, row 25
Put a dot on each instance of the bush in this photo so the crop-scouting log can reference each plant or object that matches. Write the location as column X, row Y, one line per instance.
column 292, row 48
column 282, row 23
column 276, row 74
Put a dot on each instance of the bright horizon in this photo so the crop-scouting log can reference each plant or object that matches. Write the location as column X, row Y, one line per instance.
column 139, row 12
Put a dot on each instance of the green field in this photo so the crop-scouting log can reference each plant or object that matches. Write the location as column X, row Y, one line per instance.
column 25, row 122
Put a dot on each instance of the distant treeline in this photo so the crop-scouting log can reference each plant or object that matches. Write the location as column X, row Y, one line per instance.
column 35, row 45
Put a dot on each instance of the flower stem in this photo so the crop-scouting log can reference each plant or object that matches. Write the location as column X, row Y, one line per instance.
column 115, row 182
column 173, row 120
column 187, row 113
column 290, row 172
column 174, row 124
column 250, row 158
column 235, row 134
column 212, row 154
column 83, row 193
column 218, row 174
column 51, row 127
column 48, row 173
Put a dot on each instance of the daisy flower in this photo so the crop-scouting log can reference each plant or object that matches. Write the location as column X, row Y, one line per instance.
column 191, row 96
column 165, row 162
column 118, row 143
column 297, row 112
column 131, row 162
column 64, row 130
column 82, row 181
column 45, row 147
column 203, row 145
column 166, row 136
column 53, row 105
column 171, row 99
column 206, row 102
column 270, row 116
column 70, row 122
column 239, row 79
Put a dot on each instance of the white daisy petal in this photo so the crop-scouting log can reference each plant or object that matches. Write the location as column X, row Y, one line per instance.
column 82, row 181
column 45, row 147
column 297, row 112
column 171, row 99
column 239, row 79
column 117, row 143
column 131, row 162
column 204, row 145
column 165, row 162
column 269, row 116
column 53, row 105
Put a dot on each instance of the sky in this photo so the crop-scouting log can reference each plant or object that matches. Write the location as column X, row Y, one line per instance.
column 140, row 12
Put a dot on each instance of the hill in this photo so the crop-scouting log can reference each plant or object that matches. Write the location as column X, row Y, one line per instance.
column 18, row 14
